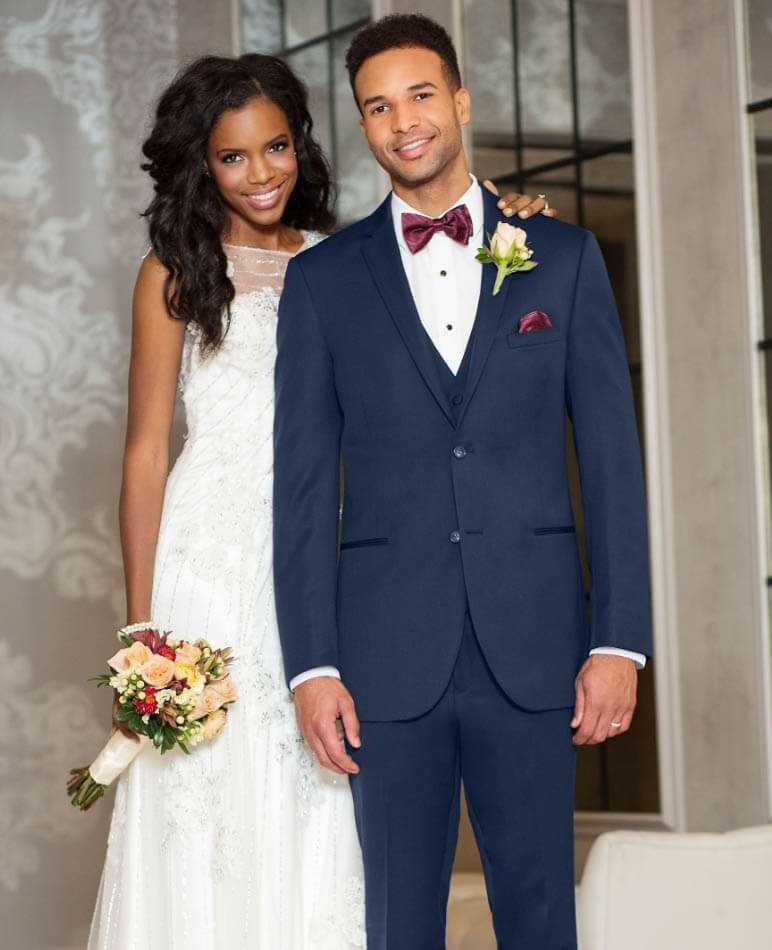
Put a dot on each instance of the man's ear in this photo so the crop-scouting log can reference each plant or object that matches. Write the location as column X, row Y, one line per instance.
column 463, row 105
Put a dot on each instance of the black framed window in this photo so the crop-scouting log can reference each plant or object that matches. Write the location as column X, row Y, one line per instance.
column 313, row 38
column 551, row 113
column 759, row 31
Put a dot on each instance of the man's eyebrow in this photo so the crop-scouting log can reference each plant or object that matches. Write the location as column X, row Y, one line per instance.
column 371, row 100
column 414, row 88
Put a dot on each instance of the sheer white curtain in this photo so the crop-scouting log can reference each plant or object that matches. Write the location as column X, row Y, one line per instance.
column 77, row 83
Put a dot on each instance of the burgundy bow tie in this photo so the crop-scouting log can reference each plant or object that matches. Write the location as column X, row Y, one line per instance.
column 456, row 223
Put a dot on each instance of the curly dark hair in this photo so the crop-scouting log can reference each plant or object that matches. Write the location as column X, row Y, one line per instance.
column 187, row 215
column 400, row 31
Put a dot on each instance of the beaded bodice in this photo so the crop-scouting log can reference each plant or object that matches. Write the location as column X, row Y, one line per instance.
column 229, row 393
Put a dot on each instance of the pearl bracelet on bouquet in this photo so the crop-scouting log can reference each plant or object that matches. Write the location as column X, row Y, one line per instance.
column 136, row 628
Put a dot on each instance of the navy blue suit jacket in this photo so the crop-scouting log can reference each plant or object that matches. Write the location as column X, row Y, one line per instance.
column 426, row 531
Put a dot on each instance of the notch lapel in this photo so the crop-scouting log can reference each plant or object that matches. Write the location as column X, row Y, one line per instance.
column 381, row 253
column 489, row 308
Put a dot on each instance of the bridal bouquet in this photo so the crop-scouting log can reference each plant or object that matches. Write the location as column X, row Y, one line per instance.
column 170, row 692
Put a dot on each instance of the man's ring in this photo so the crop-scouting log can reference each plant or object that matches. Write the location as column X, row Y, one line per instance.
column 546, row 203
column 616, row 725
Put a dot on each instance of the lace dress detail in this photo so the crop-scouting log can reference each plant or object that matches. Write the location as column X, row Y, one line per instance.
column 247, row 842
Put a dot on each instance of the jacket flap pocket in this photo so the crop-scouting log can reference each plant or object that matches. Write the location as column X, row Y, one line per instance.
column 363, row 543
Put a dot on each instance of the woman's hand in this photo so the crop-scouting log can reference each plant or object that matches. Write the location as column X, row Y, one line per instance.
column 119, row 726
column 522, row 205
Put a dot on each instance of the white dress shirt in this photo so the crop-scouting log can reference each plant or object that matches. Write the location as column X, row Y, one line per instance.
column 444, row 279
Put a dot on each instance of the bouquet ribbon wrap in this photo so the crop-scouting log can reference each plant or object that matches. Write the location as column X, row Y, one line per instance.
column 116, row 756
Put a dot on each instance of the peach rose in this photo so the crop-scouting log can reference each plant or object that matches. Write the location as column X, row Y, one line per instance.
column 138, row 654
column 187, row 653
column 215, row 722
column 225, row 687
column 129, row 657
column 208, row 700
column 505, row 237
column 120, row 662
column 158, row 671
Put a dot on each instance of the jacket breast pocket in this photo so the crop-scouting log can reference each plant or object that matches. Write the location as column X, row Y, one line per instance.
column 534, row 338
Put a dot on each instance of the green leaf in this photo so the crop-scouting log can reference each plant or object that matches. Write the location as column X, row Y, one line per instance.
column 135, row 721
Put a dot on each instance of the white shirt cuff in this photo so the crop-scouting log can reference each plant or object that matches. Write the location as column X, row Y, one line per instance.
column 312, row 674
column 639, row 658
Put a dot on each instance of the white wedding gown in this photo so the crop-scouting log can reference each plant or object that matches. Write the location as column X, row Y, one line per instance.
column 247, row 842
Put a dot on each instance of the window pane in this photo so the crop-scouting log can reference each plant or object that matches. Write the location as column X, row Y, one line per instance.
column 489, row 70
column 311, row 65
column 603, row 69
column 260, row 26
column 304, row 21
column 545, row 66
column 762, row 122
column 759, row 16
column 347, row 11
column 355, row 170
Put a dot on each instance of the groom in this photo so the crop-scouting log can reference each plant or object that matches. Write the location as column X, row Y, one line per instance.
column 452, row 628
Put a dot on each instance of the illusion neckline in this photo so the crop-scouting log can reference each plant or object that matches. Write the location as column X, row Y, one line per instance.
column 265, row 250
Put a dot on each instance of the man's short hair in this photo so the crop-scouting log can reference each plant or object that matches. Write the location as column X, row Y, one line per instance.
column 402, row 31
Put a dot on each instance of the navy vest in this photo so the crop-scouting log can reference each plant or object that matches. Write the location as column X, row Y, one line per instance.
column 454, row 386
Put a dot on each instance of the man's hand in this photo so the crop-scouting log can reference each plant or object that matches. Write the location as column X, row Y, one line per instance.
column 522, row 205
column 605, row 694
column 318, row 704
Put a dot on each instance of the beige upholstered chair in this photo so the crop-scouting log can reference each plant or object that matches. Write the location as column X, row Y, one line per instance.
column 652, row 891
column 644, row 890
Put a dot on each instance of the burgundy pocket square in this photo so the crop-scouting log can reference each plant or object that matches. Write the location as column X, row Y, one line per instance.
column 535, row 320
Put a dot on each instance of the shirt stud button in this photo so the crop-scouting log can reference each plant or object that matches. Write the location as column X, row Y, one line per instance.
column 443, row 273
column 448, row 326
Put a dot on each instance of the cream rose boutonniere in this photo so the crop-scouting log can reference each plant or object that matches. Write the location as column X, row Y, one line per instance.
column 508, row 251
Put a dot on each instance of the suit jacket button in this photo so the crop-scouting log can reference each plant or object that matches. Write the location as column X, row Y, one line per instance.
column 455, row 537
column 457, row 399
column 459, row 451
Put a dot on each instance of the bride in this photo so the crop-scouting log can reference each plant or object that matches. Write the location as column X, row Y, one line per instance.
column 247, row 842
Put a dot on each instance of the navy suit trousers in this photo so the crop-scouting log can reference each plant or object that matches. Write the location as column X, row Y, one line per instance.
column 517, row 768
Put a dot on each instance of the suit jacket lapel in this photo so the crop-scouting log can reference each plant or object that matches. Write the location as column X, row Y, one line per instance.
column 489, row 308
column 382, row 256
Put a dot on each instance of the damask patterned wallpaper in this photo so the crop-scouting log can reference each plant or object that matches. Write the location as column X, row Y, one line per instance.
column 77, row 83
